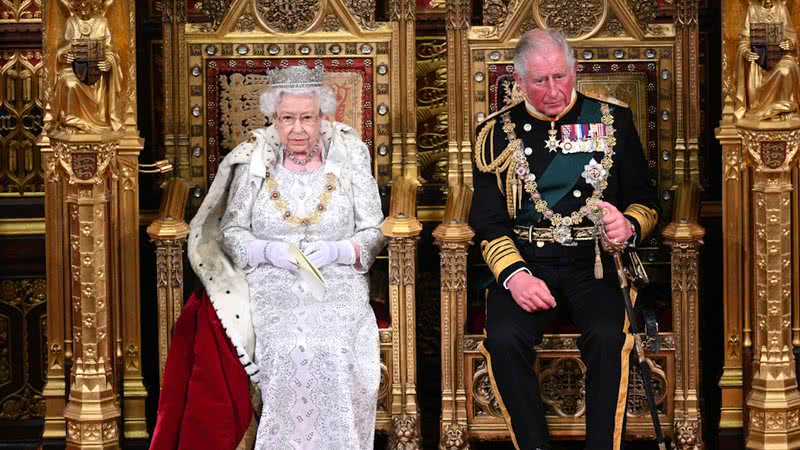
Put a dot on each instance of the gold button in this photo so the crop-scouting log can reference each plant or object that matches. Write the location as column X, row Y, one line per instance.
column 539, row 244
column 576, row 193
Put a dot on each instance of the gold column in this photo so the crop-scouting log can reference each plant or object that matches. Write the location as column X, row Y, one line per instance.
column 91, row 147
column 59, row 345
column 736, row 281
column 126, row 246
column 176, row 82
column 684, row 236
column 454, row 237
column 773, row 401
column 86, row 163
column 169, row 232
column 735, row 195
column 402, row 228
column 404, row 117
column 460, row 96
column 687, row 108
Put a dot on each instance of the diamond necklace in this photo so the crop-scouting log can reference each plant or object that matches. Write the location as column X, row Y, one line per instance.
column 304, row 161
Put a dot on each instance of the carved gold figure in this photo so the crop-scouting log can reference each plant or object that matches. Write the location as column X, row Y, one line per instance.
column 767, row 72
column 87, row 89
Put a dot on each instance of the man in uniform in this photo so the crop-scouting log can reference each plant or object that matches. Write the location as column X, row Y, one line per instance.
column 554, row 174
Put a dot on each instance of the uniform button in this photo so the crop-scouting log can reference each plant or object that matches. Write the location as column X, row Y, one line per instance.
column 526, row 127
column 539, row 244
column 528, row 151
column 576, row 193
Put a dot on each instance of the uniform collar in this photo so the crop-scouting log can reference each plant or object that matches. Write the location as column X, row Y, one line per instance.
column 535, row 113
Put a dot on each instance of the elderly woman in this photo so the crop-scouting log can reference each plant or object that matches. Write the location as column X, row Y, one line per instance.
column 302, row 182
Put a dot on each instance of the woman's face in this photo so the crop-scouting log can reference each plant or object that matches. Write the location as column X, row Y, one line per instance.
column 297, row 120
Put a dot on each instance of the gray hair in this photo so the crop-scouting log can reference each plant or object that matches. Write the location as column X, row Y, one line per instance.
column 537, row 40
column 272, row 97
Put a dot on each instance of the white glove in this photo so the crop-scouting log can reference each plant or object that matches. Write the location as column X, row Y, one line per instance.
column 275, row 253
column 322, row 253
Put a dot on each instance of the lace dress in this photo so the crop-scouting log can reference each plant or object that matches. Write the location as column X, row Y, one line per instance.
column 318, row 360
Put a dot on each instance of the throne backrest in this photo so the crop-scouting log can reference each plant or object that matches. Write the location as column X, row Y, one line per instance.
column 234, row 87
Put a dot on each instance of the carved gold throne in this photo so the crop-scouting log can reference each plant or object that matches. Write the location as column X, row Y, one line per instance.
column 217, row 57
column 622, row 52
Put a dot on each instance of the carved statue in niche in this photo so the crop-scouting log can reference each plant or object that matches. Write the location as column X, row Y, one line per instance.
column 87, row 89
column 767, row 71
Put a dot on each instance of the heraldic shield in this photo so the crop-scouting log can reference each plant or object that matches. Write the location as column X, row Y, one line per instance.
column 88, row 53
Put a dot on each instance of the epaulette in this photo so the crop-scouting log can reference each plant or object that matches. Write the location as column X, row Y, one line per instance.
column 607, row 99
column 498, row 158
column 500, row 111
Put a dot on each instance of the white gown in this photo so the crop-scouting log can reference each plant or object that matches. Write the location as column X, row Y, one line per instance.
column 318, row 361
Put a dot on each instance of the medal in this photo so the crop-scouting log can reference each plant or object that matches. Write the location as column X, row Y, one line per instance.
column 552, row 143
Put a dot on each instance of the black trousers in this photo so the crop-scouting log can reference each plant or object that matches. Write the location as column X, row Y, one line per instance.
column 597, row 310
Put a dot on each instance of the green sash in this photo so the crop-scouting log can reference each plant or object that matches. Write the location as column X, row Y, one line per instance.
column 563, row 171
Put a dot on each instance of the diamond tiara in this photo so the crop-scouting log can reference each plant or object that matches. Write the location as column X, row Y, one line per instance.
column 297, row 77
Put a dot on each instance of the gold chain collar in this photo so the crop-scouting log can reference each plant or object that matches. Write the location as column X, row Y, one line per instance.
column 521, row 172
column 324, row 199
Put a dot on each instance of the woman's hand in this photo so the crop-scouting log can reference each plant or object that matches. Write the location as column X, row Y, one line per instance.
column 322, row 253
column 275, row 253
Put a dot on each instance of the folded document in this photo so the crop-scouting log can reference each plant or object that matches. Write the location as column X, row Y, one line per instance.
column 311, row 281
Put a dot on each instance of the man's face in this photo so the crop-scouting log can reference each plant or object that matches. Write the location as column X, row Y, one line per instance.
column 548, row 81
column 768, row 3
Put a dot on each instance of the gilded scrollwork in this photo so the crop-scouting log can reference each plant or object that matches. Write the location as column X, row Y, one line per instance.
column 5, row 350
column 482, row 392
column 331, row 24
column 246, row 23
column 497, row 12
column 563, row 386
column 288, row 16
column 215, row 10
column 575, row 19
column 363, row 11
column 613, row 28
column 645, row 10
column 637, row 400
column 24, row 404
column 432, row 123
column 20, row 10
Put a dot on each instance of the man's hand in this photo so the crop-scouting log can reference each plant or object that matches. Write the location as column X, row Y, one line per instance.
column 618, row 227
column 104, row 66
column 751, row 56
column 69, row 57
column 530, row 293
column 787, row 45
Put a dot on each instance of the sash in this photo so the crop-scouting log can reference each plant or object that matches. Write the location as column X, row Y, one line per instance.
column 564, row 170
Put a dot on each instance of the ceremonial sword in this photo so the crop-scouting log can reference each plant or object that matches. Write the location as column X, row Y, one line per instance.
column 615, row 250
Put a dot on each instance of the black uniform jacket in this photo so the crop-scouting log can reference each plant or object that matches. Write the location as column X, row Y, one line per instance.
column 494, row 214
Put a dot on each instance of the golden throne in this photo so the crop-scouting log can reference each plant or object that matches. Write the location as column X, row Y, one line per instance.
column 621, row 52
column 217, row 66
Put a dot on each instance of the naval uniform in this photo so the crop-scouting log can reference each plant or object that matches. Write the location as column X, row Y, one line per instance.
column 536, row 180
